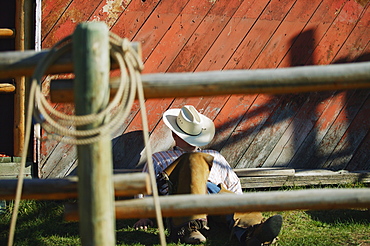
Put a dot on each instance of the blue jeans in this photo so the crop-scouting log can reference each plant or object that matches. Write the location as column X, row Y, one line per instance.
column 214, row 189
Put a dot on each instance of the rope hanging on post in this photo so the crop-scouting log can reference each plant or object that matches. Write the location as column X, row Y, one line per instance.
column 61, row 127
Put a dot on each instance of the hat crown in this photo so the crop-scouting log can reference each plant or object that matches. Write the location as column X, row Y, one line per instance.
column 189, row 120
column 190, row 125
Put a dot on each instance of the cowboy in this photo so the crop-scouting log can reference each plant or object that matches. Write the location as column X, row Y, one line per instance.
column 187, row 169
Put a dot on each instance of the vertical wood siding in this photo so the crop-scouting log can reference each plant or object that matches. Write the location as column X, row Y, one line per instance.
column 305, row 130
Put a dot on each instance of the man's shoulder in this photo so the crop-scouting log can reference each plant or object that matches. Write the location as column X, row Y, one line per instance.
column 166, row 153
column 211, row 151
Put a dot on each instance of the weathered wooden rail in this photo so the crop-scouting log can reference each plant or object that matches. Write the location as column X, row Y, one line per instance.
column 211, row 83
column 183, row 205
column 125, row 185
column 134, row 183
column 275, row 81
column 271, row 177
column 7, row 33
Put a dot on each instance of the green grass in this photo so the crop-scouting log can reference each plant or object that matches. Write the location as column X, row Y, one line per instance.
column 41, row 223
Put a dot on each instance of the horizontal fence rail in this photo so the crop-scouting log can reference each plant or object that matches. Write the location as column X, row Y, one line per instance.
column 23, row 63
column 273, row 81
column 282, row 80
column 58, row 189
column 184, row 205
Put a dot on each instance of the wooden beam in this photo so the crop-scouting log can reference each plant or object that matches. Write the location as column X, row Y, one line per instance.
column 274, row 81
column 125, row 185
column 7, row 88
column 7, row 33
column 91, row 61
column 10, row 170
column 23, row 25
column 19, row 63
column 185, row 205
column 306, row 178
column 261, row 172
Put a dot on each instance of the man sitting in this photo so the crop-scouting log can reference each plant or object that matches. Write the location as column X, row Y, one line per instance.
column 187, row 169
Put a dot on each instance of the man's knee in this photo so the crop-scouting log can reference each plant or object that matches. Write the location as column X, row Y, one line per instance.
column 189, row 173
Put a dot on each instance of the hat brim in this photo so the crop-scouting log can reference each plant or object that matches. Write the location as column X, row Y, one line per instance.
column 204, row 138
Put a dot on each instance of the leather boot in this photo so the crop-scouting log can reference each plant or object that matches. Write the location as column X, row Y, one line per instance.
column 242, row 219
column 264, row 233
column 189, row 233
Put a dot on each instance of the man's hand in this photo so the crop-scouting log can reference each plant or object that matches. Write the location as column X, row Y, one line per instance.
column 143, row 224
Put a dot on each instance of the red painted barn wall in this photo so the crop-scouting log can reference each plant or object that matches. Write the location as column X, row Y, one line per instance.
column 306, row 130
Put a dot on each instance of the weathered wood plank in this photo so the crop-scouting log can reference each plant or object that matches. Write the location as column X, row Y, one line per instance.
column 307, row 178
column 67, row 22
column 345, row 21
column 230, row 116
column 159, row 22
column 302, row 48
column 129, row 23
column 302, row 124
column 269, row 135
column 59, row 189
column 8, row 159
column 60, row 163
column 52, row 151
column 359, row 125
column 278, row 46
column 299, row 154
column 252, row 122
column 177, row 36
column 204, row 36
column 263, row 172
column 330, row 108
column 326, row 148
column 356, row 43
column 216, row 103
column 52, row 10
column 109, row 11
column 260, row 33
column 361, row 160
column 10, row 170
column 104, row 11
column 227, row 111
column 231, row 36
column 365, row 55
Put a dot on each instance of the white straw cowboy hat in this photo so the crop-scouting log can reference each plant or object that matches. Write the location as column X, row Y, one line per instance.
column 191, row 126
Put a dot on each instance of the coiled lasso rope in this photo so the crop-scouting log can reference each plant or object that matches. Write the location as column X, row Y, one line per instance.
column 61, row 127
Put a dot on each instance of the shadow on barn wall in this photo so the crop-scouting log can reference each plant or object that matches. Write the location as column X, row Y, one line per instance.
column 340, row 145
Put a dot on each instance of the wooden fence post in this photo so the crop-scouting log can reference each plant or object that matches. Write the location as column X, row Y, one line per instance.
column 95, row 186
